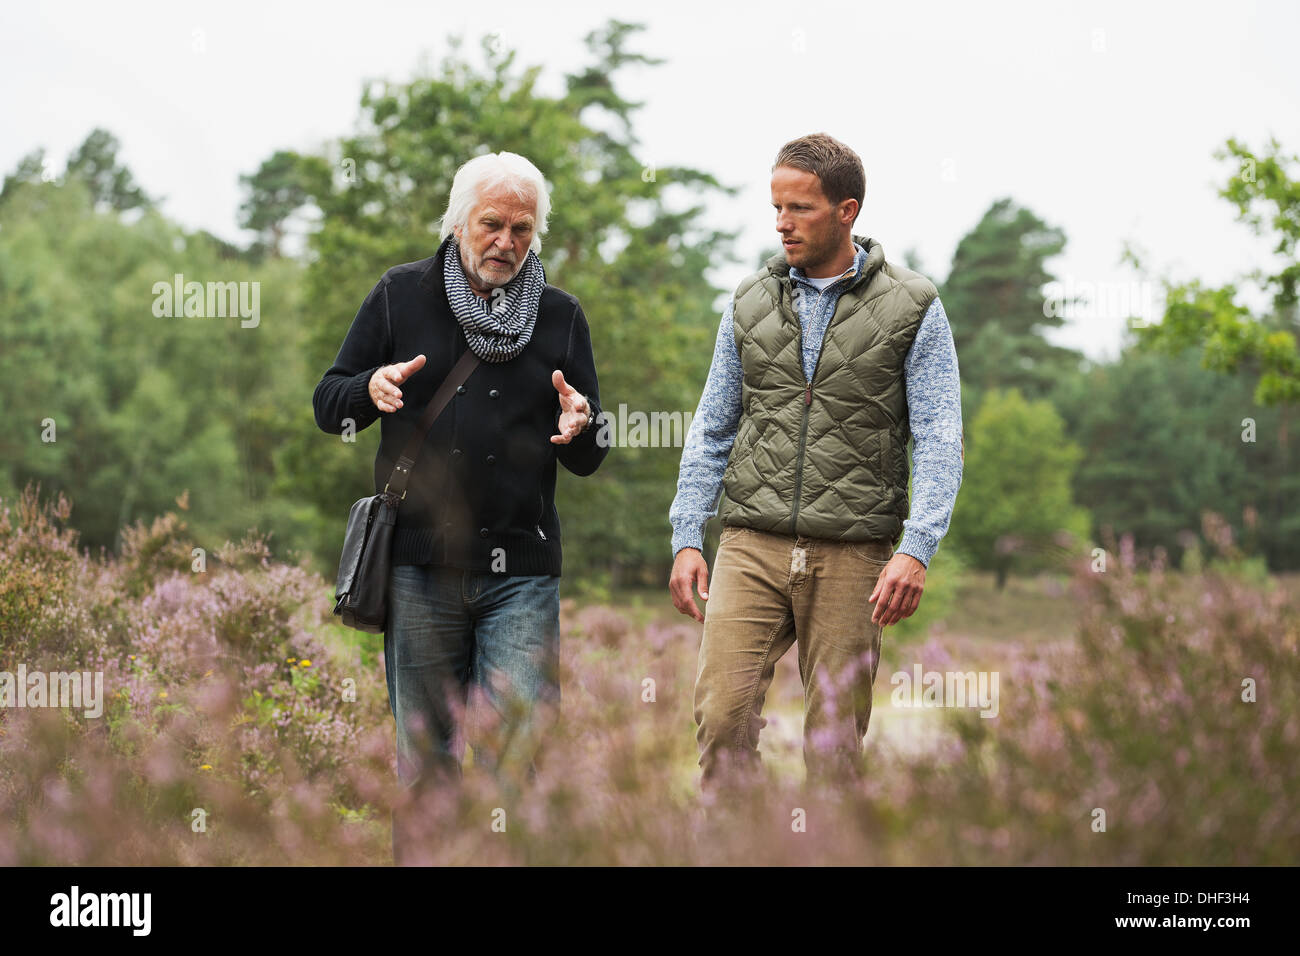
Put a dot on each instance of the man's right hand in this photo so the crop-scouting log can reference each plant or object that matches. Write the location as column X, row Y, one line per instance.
column 689, row 570
column 383, row 384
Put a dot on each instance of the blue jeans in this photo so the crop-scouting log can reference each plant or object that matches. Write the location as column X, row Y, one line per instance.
column 451, row 632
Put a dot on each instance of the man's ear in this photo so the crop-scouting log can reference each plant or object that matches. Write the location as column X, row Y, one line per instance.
column 849, row 211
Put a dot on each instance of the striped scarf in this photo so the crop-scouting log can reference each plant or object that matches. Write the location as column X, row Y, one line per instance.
column 497, row 328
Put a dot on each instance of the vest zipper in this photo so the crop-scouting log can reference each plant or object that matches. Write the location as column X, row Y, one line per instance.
column 807, row 398
column 798, row 468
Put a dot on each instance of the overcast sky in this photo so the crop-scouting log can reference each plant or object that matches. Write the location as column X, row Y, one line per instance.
column 1100, row 117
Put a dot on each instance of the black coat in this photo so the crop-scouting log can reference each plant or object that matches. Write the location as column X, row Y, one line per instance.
column 481, row 495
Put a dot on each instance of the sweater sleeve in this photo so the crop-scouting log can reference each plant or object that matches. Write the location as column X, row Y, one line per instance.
column 934, row 409
column 344, row 390
column 709, row 441
column 584, row 453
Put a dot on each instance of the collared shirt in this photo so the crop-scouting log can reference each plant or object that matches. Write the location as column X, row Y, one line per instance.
column 934, row 412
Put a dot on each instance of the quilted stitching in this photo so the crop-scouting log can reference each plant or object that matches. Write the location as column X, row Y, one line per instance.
column 857, row 424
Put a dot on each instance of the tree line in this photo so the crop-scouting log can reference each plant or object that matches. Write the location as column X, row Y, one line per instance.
column 124, row 410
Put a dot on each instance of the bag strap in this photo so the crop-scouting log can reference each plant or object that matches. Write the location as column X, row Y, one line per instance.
column 455, row 378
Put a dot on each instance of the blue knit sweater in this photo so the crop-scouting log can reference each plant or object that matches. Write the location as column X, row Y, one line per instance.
column 934, row 411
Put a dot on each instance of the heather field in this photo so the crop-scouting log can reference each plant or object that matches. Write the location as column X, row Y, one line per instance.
column 1144, row 716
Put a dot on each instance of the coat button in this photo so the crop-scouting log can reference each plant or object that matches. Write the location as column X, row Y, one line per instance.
column 491, row 459
column 460, row 389
column 494, row 394
column 483, row 532
column 455, row 451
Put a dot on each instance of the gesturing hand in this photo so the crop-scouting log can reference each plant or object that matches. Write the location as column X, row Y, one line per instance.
column 383, row 384
column 574, row 410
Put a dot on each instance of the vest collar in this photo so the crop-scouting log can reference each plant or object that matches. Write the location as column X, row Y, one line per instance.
column 779, row 267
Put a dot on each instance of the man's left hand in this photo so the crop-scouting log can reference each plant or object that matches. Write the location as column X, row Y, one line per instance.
column 898, row 590
column 574, row 410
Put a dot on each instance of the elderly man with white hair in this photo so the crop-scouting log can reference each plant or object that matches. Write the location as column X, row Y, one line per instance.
column 474, row 593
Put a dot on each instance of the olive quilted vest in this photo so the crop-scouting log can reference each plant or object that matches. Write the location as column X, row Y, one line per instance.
column 826, row 458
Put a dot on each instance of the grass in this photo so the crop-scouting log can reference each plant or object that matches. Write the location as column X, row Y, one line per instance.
column 981, row 622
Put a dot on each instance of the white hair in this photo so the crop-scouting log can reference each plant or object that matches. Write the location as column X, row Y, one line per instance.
column 496, row 169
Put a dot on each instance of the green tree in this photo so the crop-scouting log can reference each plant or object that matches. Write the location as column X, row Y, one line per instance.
column 1231, row 341
column 29, row 171
column 1016, row 508
column 124, row 409
column 111, row 184
column 1162, row 442
column 994, row 295
column 1266, row 192
column 281, row 186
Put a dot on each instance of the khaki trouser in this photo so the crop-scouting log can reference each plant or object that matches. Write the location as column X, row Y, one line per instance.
column 768, row 591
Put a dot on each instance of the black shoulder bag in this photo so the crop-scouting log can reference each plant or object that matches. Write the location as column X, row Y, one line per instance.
column 362, row 587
